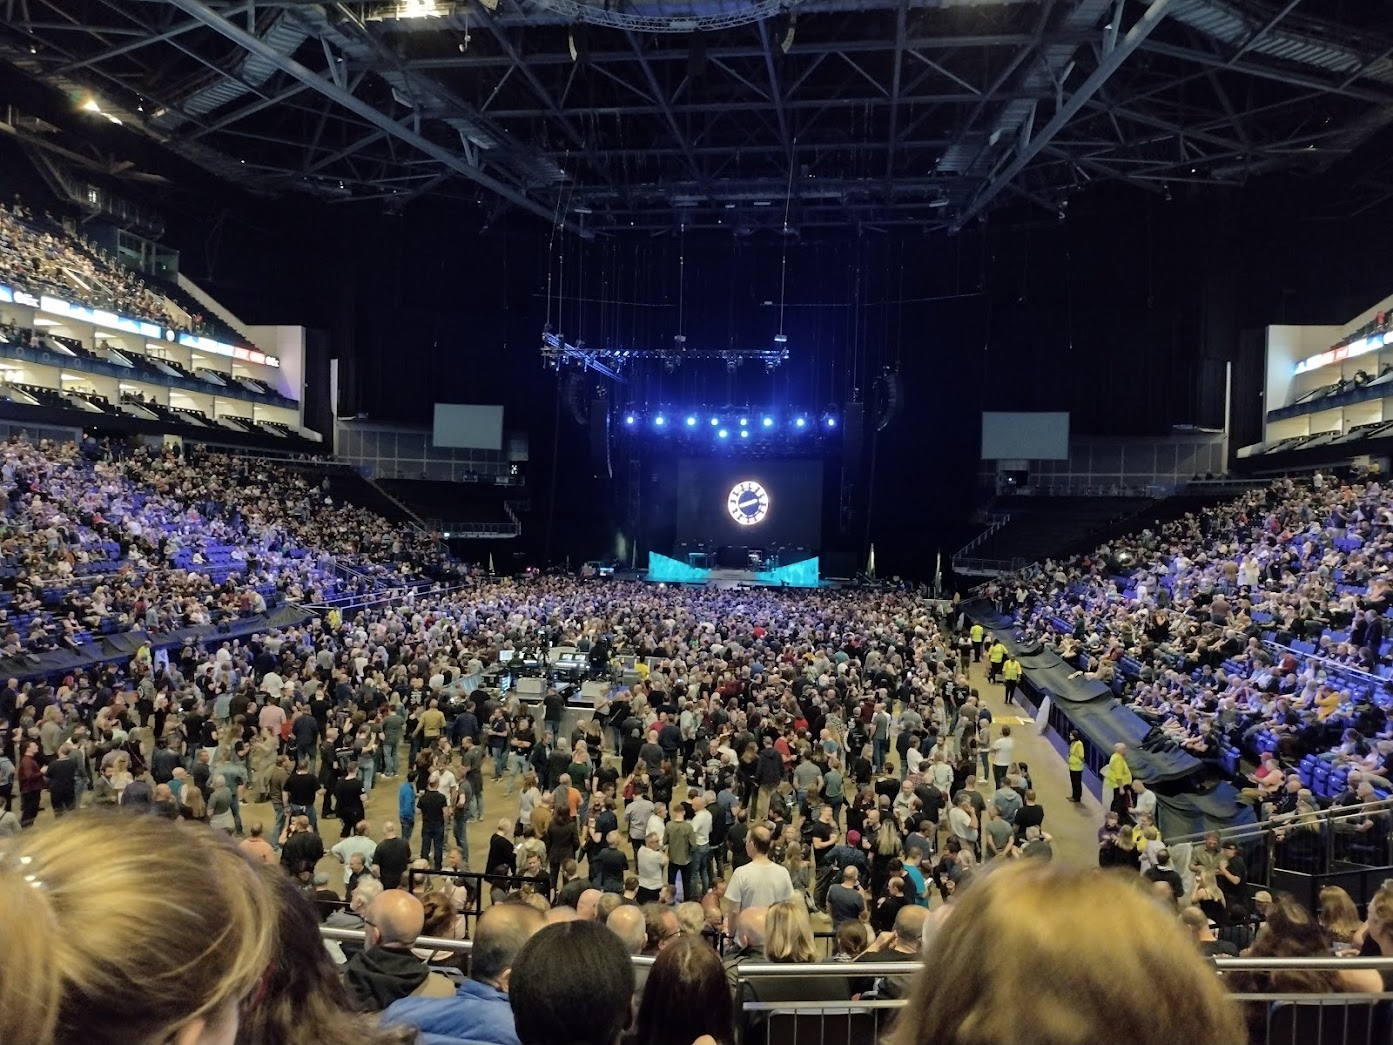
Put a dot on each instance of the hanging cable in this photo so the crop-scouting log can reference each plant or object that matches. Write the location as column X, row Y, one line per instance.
column 783, row 266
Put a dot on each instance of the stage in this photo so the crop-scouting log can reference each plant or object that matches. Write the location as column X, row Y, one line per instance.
column 723, row 579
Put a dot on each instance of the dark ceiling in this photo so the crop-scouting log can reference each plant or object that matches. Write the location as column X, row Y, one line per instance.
column 744, row 114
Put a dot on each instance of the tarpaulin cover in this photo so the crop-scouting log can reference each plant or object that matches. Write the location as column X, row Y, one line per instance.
column 123, row 646
column 1090, row 706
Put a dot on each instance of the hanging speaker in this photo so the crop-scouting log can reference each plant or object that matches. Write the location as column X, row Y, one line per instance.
column 599, row 439
column 573, row 391
column 889, row 398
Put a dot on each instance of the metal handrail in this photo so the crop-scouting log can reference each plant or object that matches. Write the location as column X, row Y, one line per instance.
column 1376, row 680
column 437, row 943
column 846, row 970
column 1320, row 817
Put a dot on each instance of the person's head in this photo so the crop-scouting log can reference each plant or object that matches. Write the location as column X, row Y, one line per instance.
column 574, row 983
column 851, row 937
column 751, row 928
column 1031, row 915
column 758, row 841
column 790, row 932
column 394, row 919
column 1381, row 917
column 499, row 935
column 691, row 919
column 1196, row 923
column 685, row 997
column 909, row 927
column 302, row 1000
column 1337, row 913
column 626, row 922
column 587, row 904
column 68, row 916
column 660, row 926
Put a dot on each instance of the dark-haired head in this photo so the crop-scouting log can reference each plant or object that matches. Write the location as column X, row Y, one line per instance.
column 572, row 984
column 686, row 996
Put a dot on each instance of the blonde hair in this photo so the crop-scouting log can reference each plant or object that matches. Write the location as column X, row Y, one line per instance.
column 1033, row 914
column 169, row 926
column 789, row 932
column 1338, row 915
column 691, row 919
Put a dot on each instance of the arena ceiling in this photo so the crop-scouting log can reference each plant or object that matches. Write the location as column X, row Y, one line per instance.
column 742, row 114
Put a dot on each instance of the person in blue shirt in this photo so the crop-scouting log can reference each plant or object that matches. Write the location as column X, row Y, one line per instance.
column 479, row 1013
column 406, row 807
column 915, row 890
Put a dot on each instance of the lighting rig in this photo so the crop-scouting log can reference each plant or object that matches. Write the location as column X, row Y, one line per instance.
column 557, row 352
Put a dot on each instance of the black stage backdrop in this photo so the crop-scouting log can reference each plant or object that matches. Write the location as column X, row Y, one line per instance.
column 793, row 487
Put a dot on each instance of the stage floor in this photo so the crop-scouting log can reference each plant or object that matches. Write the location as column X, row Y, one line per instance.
column 720, row 579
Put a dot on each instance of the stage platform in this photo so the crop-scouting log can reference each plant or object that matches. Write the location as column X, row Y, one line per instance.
column 722, row 580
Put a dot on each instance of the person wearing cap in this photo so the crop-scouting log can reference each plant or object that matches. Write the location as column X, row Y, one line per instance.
column 1232, row 875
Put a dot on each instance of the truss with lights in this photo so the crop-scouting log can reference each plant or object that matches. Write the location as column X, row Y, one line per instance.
column 746, row 428
column 557, row 352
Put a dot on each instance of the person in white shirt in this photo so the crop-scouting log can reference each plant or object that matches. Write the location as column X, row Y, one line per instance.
column 1145, row 801
column 701, row 854
column 357, row 842
column 657, row 822
column 761, row 882
column 652, row 869
column 1001, row 749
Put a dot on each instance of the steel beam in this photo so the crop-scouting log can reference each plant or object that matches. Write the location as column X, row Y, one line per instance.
column 901, row 34
column 774, row 91
column 1111, row 62
column 126, row 48
column 251, row 44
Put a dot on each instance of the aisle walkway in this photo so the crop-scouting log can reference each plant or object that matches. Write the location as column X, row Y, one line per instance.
column 1074, row 828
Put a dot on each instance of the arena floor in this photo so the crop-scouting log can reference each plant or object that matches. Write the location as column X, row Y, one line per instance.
column 1072, row 827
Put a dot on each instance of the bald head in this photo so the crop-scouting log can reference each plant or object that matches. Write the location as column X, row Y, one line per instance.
column 749, row 926
column 587, row 904
column 498, row 937
column 397, row 917
column 909, row 925
column 626, row 922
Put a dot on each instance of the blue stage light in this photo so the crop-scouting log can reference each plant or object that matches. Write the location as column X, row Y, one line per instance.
column 831, row 422
column 723, row 433
column 714, row 422
column 744, row 421
column 744, row 434
column 768, row 422
column 800, row 422
column 691, row 421
column 628, row 419
column 660, row 420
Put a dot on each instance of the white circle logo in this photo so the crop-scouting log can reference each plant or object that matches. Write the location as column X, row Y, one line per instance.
column 748, row 503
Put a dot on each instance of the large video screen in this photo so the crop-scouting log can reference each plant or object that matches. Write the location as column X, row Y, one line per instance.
column 757, row 503
column 466, row 426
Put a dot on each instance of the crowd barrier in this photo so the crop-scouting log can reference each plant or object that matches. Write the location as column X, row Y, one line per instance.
column 810, row 1004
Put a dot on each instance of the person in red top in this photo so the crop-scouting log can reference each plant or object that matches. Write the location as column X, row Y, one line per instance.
column 31, row 784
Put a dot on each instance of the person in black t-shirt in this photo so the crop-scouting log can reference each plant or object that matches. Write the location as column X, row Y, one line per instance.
column 820, row 835
column 392, row 857
column 348, row 798
column 301, row 789
column 432, row 806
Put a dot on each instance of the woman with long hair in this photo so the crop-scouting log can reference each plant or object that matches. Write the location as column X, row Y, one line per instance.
column 1032, row 915
column 686, row 998
column 789, row 933
column 1338, row 917
column 113, row 950
column 1291, row 931
column 302, row 999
